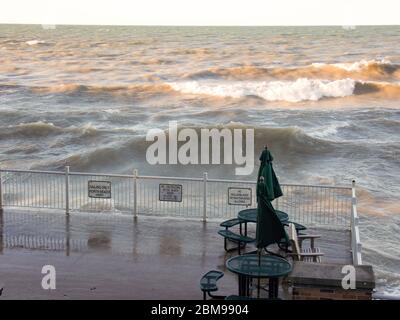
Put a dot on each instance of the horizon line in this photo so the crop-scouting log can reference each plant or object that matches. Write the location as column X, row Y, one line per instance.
column 200, row 25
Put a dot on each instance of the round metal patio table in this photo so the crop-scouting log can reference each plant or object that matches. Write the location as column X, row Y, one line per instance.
column 250, row 215
column 248, row 266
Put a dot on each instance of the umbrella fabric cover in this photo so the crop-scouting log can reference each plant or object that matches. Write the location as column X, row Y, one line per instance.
column 269, row 228
column 267, row 176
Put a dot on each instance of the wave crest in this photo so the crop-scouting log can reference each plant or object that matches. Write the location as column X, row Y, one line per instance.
column 285, row 141
column 362, row 70
column 35, row 42
column 31, row 129
column 292, row 91
column 41, row 129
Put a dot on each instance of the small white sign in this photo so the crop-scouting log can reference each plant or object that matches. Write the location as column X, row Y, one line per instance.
column 99, row 189
column 239, row 196
column 170, row 192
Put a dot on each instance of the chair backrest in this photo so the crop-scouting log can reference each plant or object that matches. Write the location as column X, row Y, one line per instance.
column 294, row 242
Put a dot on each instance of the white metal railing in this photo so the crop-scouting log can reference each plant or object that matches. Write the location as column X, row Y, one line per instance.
column 355, row 230
column 202, row 198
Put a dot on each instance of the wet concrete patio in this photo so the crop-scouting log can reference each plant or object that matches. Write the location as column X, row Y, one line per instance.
column 109, row 256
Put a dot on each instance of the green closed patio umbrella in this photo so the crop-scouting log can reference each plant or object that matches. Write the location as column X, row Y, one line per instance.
column 269, row 228
column 266, row 174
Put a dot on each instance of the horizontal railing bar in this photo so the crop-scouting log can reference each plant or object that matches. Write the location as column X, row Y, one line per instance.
column 282, row 184
column 91, row 174
column 31, row 171
column 168, row 178
column 314, row 186
column 232, row 181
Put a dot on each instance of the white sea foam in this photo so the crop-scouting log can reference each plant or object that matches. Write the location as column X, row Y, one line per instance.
column 111, row 111
column 355, row 66
column 293, row 91
column 37, row 124
column 330, row 130
column 34, row 42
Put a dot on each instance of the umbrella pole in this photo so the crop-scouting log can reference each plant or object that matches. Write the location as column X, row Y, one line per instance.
column 258, row 280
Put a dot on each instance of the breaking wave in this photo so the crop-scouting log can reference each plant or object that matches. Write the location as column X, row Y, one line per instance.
column 35, row 42
column 363, row 70
column 383, row 90
column 302, row 89
column 285, row 140
column 295, row 91
column 383, row 66
column 41, row 129
column 32, row 129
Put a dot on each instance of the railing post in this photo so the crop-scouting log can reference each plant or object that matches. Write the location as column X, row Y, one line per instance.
column 135, row 176
column 205, row 177
column 1, row 194
column 355, row 232
column 352, row 225
column 67, row 190
column 1, row 217
column 353, row 192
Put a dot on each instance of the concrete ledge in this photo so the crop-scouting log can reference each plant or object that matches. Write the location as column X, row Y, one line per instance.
column 329, row 275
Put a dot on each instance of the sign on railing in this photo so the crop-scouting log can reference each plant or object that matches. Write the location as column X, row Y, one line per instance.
column 99, row 189
column 239, row 196
column 170, row 192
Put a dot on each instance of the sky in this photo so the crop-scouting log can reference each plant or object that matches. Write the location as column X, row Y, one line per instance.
column 202, row 12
